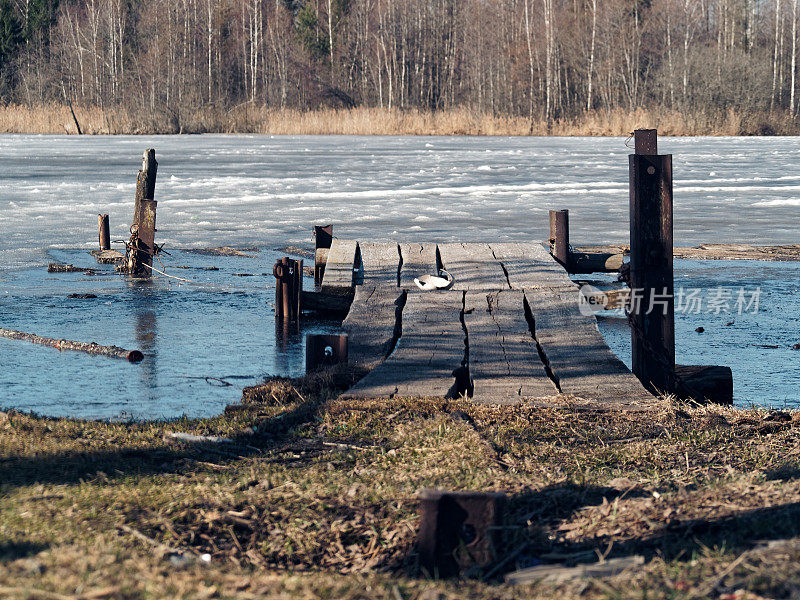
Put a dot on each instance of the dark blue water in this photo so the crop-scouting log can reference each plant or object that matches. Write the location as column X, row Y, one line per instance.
column 220, row 327
column 762, row 376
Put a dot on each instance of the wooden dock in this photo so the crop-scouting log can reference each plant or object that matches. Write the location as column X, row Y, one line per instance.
column 508, row 330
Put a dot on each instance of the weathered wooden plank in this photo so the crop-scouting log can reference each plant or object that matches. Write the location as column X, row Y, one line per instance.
column 473, row 266
column 530, row 266
column 418, row 260
column 504, row 361
column 341, row 261
column 372, row 324
column 380, row 263
column 430, row 348
column 574, row 349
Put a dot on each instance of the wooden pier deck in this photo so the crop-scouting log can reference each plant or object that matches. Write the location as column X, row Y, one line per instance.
column 508, row 330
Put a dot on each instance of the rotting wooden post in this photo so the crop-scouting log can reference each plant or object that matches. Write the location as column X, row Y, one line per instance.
column 143, row 229
column 323, row 239
column 559, row 237
column 288, row 286
column 652, row 304
column 325, row 351
column 104, row 232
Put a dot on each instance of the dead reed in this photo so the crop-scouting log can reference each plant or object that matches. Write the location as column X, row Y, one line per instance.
column 54, row 118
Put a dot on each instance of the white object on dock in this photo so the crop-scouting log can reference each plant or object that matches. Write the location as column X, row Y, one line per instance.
column 435, row 282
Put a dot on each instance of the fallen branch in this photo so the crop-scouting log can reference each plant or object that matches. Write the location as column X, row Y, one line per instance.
column 559, row 573
column 189, row 437
column 89, row 348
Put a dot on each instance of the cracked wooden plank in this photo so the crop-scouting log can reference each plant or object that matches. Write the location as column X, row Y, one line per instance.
column 577, row 354
column 372, row 324
column 504, row 361
column 340, row 264
column 530, row 266
column 418, row 259
column 430, row 348
column 473, row 267
column 380, row 263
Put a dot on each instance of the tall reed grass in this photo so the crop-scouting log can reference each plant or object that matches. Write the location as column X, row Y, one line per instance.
column 246, row 118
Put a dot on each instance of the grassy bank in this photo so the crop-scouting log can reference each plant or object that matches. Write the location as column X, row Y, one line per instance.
column 316, row 497
column 247, row 118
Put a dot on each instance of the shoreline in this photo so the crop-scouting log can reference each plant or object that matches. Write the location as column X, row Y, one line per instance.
column 54, row 118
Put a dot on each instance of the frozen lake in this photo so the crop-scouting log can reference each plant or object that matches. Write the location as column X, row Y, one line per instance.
column 268, row 191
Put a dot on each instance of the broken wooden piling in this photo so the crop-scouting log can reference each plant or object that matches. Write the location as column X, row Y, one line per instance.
column 559, row 237
column 104, row 234
column 141, row 248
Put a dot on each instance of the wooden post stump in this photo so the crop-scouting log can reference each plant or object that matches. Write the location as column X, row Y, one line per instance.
column 104, row 232
column 143, row 230
column 652, row 304
column 559, row 237
column 459, row 530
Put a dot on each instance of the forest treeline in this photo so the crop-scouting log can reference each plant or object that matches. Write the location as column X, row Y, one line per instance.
column 186, row 65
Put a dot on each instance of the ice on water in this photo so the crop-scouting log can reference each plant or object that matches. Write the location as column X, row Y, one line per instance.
column 257, row 190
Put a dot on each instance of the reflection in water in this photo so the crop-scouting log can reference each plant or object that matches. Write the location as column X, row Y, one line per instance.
column 146, row 333
column 288, row 345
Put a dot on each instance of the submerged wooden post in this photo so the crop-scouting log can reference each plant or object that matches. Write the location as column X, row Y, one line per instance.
column 104, row 233
column 143, row 229
column 323, row 239
column 559, row 237
column 652, row 304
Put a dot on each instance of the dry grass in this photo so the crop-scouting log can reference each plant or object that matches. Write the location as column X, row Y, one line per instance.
column 246, row 118
column 316, row 498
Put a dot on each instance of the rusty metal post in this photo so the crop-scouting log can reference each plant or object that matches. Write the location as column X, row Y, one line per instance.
column 288, row 286
column 459, row 530
column 652, row 304
column 323, row 239
column 325, row 351
column 645, row 141
column 277, row 271
column 559, row 237
column 104, row 232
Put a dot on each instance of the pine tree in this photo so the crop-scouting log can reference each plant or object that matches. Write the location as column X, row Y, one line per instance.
column 10, row 36
column 309, row 32
column 41, row 16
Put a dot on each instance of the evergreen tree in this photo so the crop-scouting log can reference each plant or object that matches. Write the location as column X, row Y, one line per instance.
column 309, row 32
column 10, row 36
column 41, row 16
